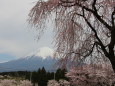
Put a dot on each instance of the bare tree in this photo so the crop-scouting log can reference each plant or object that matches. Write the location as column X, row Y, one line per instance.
column 84, row 28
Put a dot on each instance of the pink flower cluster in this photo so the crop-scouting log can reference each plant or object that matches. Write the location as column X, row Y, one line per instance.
column 91, row 76
column 7, row 82
column 60, row 83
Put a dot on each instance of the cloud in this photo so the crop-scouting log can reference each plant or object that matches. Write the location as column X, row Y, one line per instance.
column 12, row 47
column 16, row 38
column 44, row 52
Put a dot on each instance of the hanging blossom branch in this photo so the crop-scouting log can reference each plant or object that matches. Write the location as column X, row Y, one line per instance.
column 81, row 26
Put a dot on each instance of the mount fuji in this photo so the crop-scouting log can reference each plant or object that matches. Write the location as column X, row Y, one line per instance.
column 41, row 58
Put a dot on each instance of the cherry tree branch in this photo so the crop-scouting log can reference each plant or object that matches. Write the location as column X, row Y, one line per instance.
column 112, row 17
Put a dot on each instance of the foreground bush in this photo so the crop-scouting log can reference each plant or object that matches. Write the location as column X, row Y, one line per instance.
column 25, row 83
column 53, row 83
column 91, row 76
column 60, row 83
column 7, row 82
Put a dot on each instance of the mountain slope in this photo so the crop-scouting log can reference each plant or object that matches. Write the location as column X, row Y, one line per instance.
column 29, row 63
column 39, row 59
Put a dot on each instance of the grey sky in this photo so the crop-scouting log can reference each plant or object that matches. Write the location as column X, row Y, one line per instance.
column 16, row 37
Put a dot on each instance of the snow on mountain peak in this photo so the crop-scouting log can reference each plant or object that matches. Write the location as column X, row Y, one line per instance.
column 45, row 52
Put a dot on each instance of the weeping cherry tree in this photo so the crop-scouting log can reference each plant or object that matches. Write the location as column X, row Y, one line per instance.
column 83, row 28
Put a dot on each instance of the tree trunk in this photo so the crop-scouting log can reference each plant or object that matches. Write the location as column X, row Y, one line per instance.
column 112, row 60
column 111, row 49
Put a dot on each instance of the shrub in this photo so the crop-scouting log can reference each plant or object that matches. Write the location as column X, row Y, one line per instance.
column 53, row 83
column 60, row 83
column 7, row 82
column 91, row 76
column 64, row 83
column 25, row 83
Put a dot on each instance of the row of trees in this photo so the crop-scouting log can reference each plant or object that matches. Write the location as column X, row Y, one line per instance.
column 39, row 77
column 85, row 75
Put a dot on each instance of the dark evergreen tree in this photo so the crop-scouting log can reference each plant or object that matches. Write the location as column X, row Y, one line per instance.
column 42, row 77
column 60, row 74
column 34, row 77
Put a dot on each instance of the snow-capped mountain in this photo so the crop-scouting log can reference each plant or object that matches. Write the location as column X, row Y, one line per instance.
column 43, row 52
column 41, row 58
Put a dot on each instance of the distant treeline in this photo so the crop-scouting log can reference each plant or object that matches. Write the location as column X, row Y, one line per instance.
column 39, row 77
